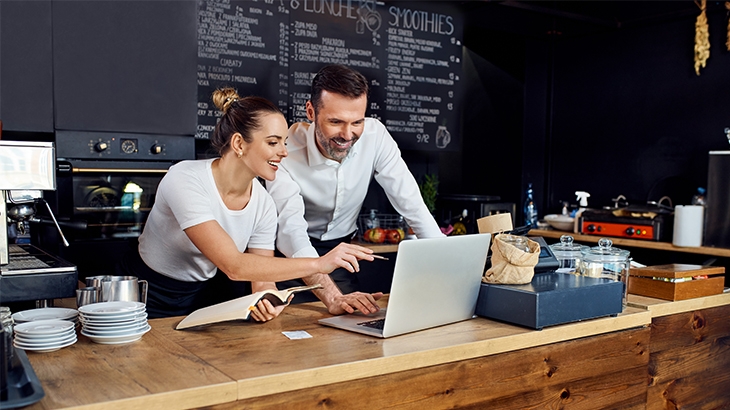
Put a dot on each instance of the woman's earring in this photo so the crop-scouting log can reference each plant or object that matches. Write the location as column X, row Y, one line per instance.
column 239, row 154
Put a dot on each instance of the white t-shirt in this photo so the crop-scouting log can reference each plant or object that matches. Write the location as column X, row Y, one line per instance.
column 187, row 196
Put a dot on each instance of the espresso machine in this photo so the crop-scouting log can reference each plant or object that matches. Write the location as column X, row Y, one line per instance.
column 27, row 273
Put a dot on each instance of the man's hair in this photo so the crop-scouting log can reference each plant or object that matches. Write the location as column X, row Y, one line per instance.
column 338, row 79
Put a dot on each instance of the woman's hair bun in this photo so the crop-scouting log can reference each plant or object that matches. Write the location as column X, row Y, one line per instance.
column 224, row 97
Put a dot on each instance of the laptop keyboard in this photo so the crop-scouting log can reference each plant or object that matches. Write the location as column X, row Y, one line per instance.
column 375, row 324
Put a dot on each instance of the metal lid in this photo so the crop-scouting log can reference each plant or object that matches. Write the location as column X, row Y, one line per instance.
column 604, row 252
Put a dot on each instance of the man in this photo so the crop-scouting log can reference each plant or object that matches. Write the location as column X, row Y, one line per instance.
column 320, row 187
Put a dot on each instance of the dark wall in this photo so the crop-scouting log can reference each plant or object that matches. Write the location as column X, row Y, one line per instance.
column 612, row 104
column 631, row 117
column 26, row 77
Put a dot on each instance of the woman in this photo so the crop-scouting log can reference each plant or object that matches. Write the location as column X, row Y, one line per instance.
column 213, row 214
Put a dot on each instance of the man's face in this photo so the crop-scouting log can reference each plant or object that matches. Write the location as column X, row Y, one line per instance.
column 338, row 123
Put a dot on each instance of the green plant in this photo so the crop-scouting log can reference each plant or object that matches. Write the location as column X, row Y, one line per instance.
column 429, row 189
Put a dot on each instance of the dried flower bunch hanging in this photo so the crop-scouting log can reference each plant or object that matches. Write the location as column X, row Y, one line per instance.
column 727, row 42
column 702, row 38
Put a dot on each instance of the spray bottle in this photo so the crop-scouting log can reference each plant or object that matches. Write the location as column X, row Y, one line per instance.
column 582, row 198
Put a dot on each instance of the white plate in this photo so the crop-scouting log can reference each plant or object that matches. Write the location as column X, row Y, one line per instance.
column 36, row 344
column 44, row 327
column 45, row 314
column 125, row 318
column 47, row 348
column 110, row 308
column 560, row 222
column 116, row 327
column 44, row 338
column 116, row 332
column 115, row 316
column 113, row 340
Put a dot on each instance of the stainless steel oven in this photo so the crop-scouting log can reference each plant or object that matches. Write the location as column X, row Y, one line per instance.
column 107, row 184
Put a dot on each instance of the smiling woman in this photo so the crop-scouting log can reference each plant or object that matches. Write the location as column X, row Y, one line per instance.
column 213, row 219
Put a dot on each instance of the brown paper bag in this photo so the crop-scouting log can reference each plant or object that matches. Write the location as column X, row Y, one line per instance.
column 511, row 265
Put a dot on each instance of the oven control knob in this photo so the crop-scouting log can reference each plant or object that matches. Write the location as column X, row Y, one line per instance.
column 629, row 231
column 156, row 149
column 591, row 228
column 101, row 146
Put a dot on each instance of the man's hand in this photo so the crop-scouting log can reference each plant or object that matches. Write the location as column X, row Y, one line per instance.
column 364, row 302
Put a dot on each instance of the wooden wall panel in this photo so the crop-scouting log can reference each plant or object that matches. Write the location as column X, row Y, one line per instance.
column 689, row 365
column 607, row 371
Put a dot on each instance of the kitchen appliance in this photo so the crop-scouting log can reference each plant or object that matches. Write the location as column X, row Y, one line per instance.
column 27, row 272
column 551, row 298
column 717, row 223
column 107, row 183
column 650, row 223
column 451, row 207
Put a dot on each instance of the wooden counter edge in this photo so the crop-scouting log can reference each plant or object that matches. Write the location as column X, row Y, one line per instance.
column 661, row 307
column 179, row 399
column 290, row 381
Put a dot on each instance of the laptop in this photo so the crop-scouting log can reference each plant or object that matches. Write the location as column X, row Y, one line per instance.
column 435, row 282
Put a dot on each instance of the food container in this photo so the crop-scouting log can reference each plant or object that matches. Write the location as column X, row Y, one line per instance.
column 605, row 261
column 568, row 253
column 519, row 242
column 385, row 228
column 677, row 281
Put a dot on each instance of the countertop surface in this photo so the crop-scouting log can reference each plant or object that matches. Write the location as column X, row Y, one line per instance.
column 223, row 362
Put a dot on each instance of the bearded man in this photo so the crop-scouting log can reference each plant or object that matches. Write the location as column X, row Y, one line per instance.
column 320, row 187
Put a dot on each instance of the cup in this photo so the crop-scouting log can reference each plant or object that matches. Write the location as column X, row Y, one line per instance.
column 125, row 288
column 88, row 295
column 95, row 281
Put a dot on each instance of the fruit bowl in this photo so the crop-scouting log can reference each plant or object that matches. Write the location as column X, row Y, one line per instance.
column 390, row 229
column 560, row 222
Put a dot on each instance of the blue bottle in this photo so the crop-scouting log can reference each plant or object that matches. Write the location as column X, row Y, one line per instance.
column 530, row 209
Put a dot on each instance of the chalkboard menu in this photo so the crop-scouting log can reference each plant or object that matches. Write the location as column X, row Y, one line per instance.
column 409, row 51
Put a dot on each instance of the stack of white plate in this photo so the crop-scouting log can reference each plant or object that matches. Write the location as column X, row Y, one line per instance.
column 114, row 322
column 44, row 335
column 48, row 313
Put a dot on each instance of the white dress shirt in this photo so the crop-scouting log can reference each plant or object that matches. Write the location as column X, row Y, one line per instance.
column 322, row 198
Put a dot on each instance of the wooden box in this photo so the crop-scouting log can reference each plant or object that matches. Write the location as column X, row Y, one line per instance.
column 661, row 281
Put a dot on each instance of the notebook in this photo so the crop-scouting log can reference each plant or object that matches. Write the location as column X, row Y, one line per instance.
column 435, row 282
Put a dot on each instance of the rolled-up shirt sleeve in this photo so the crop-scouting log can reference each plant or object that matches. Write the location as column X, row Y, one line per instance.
column 291, row 238
column 402, row 190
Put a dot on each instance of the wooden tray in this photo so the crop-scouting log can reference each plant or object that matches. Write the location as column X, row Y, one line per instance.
column 648, row 281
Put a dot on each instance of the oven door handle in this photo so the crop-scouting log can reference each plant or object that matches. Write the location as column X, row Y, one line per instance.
column 118, row 170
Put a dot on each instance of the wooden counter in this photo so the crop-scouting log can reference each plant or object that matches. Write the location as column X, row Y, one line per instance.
column 256, row 364
column 689, row 353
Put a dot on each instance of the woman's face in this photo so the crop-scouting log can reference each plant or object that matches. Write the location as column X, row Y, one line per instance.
column 268, row 147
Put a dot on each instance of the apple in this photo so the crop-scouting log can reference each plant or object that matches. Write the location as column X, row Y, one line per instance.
column 375, row 235
column 393, row 236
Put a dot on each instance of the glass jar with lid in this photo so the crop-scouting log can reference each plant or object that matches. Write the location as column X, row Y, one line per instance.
column 568, row 253
column 519, row 242
column 605, row 261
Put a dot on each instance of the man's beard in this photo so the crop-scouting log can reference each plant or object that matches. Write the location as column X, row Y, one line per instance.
column 331, row 150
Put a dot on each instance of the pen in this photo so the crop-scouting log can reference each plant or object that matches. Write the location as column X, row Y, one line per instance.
column 379, row 257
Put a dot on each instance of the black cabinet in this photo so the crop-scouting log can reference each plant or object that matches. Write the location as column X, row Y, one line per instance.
column 125, row 66
column 26, row 70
